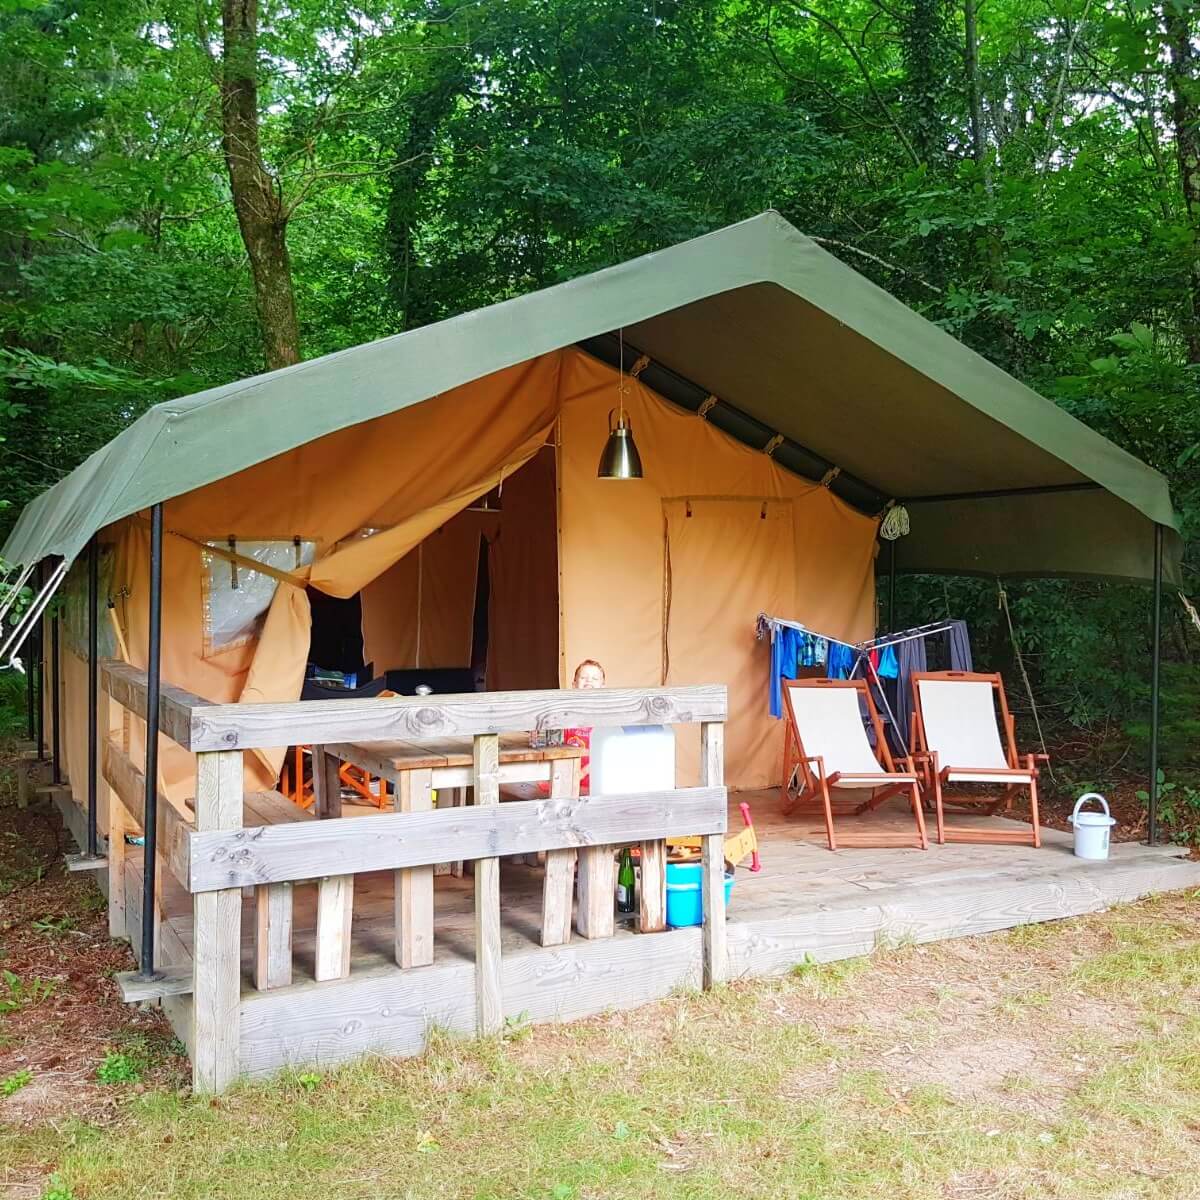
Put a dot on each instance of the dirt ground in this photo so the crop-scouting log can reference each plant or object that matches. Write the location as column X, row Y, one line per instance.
column 60, row 1013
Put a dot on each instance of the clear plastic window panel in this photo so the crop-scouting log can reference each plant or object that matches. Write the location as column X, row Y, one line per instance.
column 236, row 596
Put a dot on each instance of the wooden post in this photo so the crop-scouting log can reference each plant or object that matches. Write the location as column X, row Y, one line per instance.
column 327, row 784
column 489, row 1013
column 335, row 917
column 559, row 884
column 118, row 725
column 217, row 934
column 653, row 891
column 712, row 883
column 414, row 887
column 273, row 936
column 595, row 916
column 335, row 893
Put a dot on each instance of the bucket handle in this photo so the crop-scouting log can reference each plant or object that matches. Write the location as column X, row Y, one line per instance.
column 1084, row 799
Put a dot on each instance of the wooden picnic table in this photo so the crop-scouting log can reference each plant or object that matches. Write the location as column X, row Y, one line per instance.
column 418, row 769
column 451, row 759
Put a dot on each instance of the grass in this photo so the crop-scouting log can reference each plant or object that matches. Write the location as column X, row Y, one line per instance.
column 1058, row 1063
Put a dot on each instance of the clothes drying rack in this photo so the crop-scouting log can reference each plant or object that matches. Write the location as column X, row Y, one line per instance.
column 769, row 626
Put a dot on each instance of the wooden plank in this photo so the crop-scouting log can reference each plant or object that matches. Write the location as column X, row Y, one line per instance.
column 128, row 784
column 167, row 981
column 127, row 686
column 335, row 916
column 87, row 862
column 217, row 934
column 595, row 916
column 489, row 1006
column 652, row 894
column 388, row 759
column 118, row 825
column 712, row 858
column 449, row 797
column 414, row 886
column 390, row 841
column 402, row 718
column 558, row 886
column 273, row 936
column 327, row 783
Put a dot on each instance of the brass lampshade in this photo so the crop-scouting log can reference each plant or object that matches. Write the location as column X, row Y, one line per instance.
column 620, row 458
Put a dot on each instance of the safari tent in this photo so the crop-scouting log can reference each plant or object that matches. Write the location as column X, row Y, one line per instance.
column 781, row 404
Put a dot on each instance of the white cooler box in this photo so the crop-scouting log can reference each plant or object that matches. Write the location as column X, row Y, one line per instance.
column 632, row 758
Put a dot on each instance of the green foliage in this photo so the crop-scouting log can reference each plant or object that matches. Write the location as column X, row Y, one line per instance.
column 16, row 993
column 119, row 1067
column 15, row 1082
column 55, row 926
column 434, row 158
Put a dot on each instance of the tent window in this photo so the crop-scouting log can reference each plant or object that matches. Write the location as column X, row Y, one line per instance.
column 236, row 596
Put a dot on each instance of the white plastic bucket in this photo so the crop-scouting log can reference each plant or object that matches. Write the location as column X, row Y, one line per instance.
column 1091, row 828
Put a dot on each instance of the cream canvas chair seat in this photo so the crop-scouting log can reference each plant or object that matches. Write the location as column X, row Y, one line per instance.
column 960, row 737
column 832, row 750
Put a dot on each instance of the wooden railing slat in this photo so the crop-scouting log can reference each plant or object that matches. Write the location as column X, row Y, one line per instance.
column 489, row 998
column 255, row 726
column 176, row 708
column 217, row 934
column 712, row 857
column 391, row 841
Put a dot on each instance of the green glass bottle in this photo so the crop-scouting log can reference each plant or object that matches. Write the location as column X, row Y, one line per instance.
column 625, row 883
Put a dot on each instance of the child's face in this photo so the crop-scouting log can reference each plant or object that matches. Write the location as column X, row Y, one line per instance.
column 589, row 677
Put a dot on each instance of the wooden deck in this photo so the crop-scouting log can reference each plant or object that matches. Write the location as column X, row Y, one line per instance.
column 805, row 904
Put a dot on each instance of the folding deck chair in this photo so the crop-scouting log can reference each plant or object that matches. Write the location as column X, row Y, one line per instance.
column 825, row 726
column 955, row 738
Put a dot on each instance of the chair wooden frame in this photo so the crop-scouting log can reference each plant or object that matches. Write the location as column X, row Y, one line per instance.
column 1021, row 772
column 817, row 782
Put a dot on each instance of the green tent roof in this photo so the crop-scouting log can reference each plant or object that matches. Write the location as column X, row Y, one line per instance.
column 791, row 340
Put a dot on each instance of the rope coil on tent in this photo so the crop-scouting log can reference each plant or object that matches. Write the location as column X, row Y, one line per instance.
column 639, row 366
column 830, row 476
column 706, row 405
column 895, row 523
column 1002, row 603
column 773, row 445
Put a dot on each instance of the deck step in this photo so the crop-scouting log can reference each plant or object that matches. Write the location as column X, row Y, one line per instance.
column 86, row 862
column 169, row 981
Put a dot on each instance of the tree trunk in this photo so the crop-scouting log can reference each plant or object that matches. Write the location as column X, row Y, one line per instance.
column 257, row 201
column 974, row 100
column 1183, row 81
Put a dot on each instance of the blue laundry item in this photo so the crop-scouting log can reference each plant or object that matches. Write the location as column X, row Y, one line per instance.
column 889, row 665
column 840, row 661
column 785, row 651
column 960, row 647
column 822, row 652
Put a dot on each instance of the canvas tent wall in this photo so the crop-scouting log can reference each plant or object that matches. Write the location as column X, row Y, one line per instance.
column 661, row 579
column 781, row 345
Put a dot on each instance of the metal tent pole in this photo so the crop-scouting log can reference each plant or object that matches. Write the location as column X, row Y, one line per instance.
column 1155, row 663
column 892, row 586
column 39, row 632
column 30, row 691
column 93, row 687
column 150, row 811
column 55, row 706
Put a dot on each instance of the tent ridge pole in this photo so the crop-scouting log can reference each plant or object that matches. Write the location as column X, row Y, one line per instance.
column 1049, row 489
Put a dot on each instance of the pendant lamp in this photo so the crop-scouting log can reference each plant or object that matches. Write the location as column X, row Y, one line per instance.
column 620, row 458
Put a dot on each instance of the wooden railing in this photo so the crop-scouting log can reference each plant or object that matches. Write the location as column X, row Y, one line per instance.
column 217, row 852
